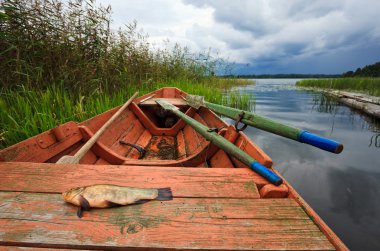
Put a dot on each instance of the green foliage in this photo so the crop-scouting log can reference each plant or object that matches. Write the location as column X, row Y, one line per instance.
column 369, row 86
column 367, row 71
column 25, row 112
column 60, row 61
column 71, row 43
column 286, row 76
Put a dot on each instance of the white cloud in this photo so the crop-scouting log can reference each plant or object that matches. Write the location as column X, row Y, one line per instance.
column 256, row 31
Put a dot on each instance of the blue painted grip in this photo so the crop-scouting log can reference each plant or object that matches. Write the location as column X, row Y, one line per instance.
column 320, row 142
column 266, row 173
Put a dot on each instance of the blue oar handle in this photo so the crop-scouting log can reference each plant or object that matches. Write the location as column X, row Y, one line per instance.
column 320, row 142
column 266, row 173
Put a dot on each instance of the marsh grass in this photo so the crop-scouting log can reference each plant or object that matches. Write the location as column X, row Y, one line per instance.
column 60, row 61
column 25, row 112
column 370, row 86
column 71, row 42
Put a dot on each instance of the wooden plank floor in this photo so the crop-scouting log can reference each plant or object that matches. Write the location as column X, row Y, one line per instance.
column 213, row 208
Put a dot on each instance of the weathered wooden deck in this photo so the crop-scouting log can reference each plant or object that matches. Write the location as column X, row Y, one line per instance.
column 213, row 208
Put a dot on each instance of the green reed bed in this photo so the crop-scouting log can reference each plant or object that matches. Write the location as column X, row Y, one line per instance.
column 25, row 112
column 369, row 86
column 61, row 61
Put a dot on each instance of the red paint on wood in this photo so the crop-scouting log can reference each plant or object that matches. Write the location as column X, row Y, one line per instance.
column 101, row 161
column 121, row 126
column 253, row 150
column 153, row 129
column 211, row 118
column 221, row 160
column 30, row 150
column 130, row 135
column 143, row 141
column 191, row 140
column 231, row 135
column 272, row 191
column 183, row 223
column 168, row 93
column 181, row 148
column 185, row 182
column 101, row 150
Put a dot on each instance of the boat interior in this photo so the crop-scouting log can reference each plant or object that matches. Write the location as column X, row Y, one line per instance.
column 148, row 147
column 144, row 134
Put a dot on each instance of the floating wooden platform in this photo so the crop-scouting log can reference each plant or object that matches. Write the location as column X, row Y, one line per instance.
column 213, row 208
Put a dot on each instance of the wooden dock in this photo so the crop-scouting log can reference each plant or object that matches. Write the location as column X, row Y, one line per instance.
column 213, row 208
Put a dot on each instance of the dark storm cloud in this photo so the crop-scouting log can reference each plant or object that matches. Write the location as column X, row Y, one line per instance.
column 286, row 33
column 264, row 36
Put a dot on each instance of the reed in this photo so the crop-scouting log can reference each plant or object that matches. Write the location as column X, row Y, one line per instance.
column 369, row 86
column 60, row 61
column 25, row 112
column 70, row 42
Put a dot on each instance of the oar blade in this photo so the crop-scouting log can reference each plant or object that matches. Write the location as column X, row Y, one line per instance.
column 68, row 160
column 195, row 101
column 166, row 105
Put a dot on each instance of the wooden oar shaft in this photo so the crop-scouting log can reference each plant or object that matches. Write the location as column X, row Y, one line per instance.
column 256, row 121
column 223, row 143
column 278, row 128
column 78, row 155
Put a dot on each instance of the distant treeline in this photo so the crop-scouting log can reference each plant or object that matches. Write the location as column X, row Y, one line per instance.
column 372, row 70
column 284, row 76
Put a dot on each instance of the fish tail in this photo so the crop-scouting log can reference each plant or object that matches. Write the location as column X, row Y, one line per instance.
column 164, row 194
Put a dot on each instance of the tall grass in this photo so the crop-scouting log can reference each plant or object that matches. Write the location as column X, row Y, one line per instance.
column 369, row 86
column 60, row 61
column 26, row 112
column 71, row 42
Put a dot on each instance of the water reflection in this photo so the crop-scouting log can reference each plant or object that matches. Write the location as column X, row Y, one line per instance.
column 348, row 196
column 343, row 189
column 328, row 104
column 375, row 140
column 324, row 103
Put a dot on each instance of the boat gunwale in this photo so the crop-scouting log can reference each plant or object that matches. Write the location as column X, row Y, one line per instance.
column 326, row 230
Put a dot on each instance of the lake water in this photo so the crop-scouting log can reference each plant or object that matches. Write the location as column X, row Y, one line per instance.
column 344, row 189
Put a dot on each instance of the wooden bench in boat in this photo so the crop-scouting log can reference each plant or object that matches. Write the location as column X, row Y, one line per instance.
column 174, row 101
column 213, row 208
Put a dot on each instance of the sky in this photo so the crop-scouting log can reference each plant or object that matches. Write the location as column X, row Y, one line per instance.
column 263, row 36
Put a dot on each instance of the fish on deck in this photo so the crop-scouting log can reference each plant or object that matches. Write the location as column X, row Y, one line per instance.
column 104, row 196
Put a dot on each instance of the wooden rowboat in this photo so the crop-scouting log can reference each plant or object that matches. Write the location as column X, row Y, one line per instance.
column 232, row 206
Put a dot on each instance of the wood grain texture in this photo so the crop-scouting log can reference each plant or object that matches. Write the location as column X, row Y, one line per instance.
column 183, row 223
column 42, row 147
column 143, row 141
column 173, row 101
column 181, row 147
column 185, row 182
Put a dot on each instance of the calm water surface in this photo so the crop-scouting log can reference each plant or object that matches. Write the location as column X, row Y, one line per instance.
column 343, row 189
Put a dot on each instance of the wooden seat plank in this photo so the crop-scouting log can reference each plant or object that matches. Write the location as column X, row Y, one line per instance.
column 173, row 101
column 183, row 223
column 185, row 182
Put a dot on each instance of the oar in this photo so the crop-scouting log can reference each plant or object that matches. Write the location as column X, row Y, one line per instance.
column 75, row 159
column 268, row 125
column 223, row 143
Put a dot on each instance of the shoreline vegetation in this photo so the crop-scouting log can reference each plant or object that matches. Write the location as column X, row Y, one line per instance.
column 359, row 93
column 365, row 85
column 26, row 112
column 61, row 61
